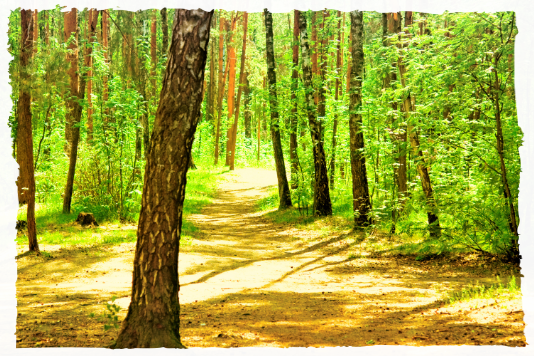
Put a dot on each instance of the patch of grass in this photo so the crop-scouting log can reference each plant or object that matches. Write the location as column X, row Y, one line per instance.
column 510, row 291
column 56, row 228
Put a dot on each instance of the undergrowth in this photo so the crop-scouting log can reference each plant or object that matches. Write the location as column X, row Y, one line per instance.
column 56, row 228
column 507, row 291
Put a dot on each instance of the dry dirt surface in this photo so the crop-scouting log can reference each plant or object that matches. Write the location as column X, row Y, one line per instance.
column 246, row 281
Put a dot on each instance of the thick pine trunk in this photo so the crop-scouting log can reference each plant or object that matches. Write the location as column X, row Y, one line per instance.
column 283, row 186
column 233, row 130
column 360, row 188
column 153, row 318
column 26, row 181
column 322, row 204
column 92, row 21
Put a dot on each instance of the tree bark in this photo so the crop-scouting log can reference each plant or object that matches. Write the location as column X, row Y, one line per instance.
column 220, row 87
column 283, row 186
column 153, row 56
column 153, row 318
column 26, row 181
column 91, row 32
column 360, row 188
column 232, row 59
column 212, row 86
column 322, row 205
column 293, row 143
column 339, row 64
column 165, row 30
column 75, row 109
column 233, row 138
column 248, row 116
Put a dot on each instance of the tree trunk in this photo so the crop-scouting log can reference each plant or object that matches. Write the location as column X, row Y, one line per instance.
column 293, row 143
column 248, row 116
column 75, row 109
column 105, row 47
column 153, row 318
column 153, row 56
column 165, row 30
column 233, row 130
column 90, row 10
column 26, row 181
column 232, row 59
column 283, row 186
column 322, row 204
column 212, row 85
column 35, row 30
column 222, row 78
column 360, row 188
column 339, row 64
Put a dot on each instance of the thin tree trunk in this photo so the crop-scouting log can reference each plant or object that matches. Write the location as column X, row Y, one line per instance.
column 360, row 188
column 153, row 56
column 90, row 10
column 283, row 186
column 322, row 204
column 248, row 116
column 339, row 64
column 153, row 318
column 212, row 85
column 165, row 30
column 293, row 143
column 105, row 48
column 233, row 129
column 220, row 87
column 75, row 109
column 26, row 181
column 232, row 58
column 47, row 27
column 35, row 30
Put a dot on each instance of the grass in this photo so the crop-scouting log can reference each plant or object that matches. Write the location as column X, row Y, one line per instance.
column 56, row 228
column 510, row 291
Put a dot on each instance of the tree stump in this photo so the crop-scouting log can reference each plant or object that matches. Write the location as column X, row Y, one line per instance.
column 85, row 219
column 15, row 227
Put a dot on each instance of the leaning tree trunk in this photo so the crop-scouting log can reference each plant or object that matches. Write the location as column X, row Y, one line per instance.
column 360, row 188
column 26, row 179
column 153, row 318
column 322, row 204
column 283, row 186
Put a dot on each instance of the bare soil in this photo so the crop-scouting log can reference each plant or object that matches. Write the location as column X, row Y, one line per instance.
column 246, row 281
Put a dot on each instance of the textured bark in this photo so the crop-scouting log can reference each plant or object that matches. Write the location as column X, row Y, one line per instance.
column 293, row 143
column 26, row 181
column 233, row 137
column 360, row 188
column 165, row 30
column 220, row 87
column 322, row 204
column 283, row 186
column 153, row 318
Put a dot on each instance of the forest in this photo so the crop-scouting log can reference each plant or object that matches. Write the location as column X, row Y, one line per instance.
column 356, row 142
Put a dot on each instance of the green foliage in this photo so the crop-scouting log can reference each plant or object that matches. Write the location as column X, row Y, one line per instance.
column 110, row 316
column 510, row 290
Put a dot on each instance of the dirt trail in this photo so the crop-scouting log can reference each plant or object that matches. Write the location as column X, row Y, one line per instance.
column 246, row 281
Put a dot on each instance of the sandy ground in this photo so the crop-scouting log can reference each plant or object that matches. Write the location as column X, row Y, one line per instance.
column 246, row 281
